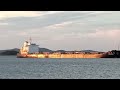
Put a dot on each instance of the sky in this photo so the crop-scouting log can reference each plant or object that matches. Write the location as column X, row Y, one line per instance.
column 61, row 30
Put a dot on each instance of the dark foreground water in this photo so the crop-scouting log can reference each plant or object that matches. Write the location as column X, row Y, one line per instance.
column 24, row 68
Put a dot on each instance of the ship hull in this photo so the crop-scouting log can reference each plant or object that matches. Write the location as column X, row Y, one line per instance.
column 105, row 55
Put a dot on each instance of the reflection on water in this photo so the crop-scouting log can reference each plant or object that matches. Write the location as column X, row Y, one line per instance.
column 29, row 68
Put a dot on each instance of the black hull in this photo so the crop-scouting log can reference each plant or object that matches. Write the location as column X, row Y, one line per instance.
column 112, row 54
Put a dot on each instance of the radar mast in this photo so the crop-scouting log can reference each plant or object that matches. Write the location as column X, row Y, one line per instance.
column 30, row 39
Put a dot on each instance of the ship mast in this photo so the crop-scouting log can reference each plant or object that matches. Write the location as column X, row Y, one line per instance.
column 30, row 39
column 118, row 45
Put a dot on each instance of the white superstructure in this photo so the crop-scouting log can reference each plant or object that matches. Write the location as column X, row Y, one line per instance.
column 29, row 48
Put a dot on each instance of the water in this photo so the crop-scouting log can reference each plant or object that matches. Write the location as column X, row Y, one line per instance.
column 29, row 68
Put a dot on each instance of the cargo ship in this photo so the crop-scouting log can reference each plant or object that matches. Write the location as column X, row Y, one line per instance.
column 31, row 50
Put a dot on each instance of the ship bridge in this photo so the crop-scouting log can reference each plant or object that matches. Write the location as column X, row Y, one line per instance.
column 29, row 48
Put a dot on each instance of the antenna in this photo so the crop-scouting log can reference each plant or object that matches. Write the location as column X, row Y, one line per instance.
column 30, row 39
column 118, row 45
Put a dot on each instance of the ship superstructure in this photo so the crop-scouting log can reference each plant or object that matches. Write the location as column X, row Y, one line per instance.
column 29, row 48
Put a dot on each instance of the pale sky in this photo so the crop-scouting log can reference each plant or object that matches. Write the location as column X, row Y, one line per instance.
column 67, row 30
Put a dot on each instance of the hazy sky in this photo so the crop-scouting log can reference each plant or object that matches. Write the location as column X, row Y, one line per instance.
column 68, row 30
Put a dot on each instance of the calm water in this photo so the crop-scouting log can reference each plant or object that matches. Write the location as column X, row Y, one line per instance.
column 24, row 68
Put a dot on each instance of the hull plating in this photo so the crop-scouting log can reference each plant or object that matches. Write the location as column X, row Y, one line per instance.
column 105, row 55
